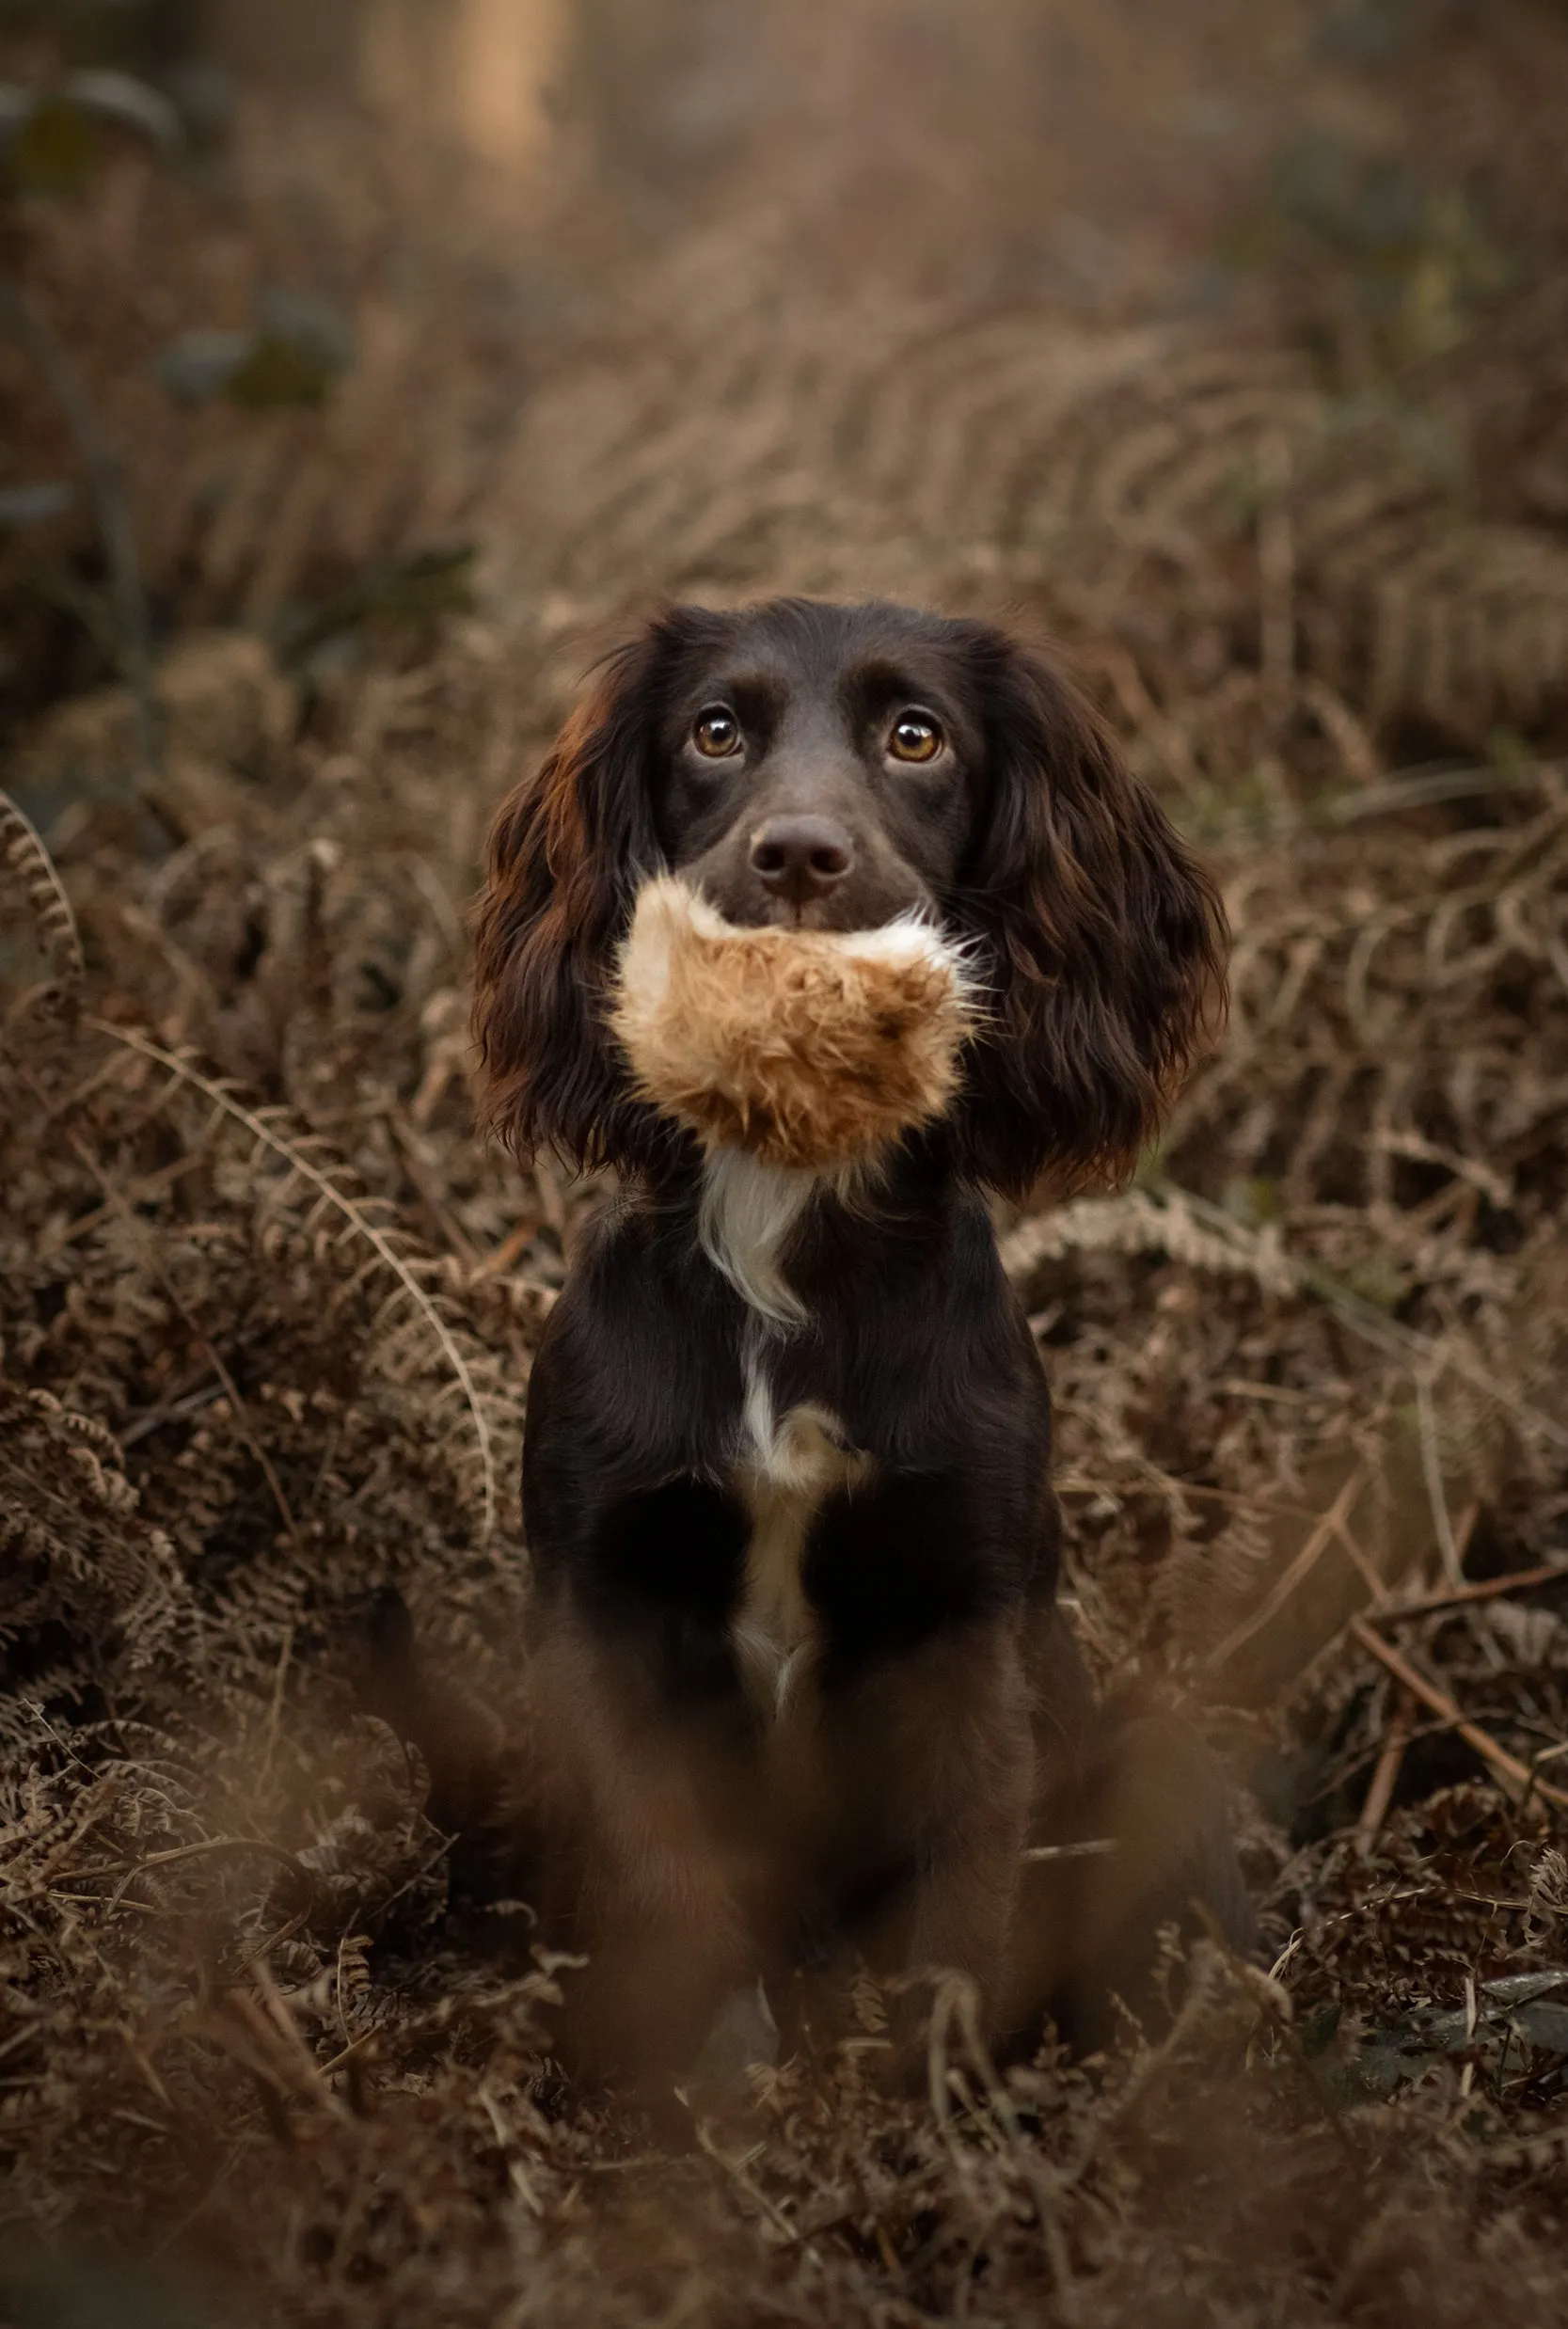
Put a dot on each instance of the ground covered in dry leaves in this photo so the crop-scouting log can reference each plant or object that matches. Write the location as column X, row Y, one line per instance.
column 271, row 2030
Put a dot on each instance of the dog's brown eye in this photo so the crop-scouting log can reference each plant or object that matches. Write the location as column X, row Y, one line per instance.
column 914, row 737
column 717, row 732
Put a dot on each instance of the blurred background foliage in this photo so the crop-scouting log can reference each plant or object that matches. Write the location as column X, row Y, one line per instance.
column 1332, row 170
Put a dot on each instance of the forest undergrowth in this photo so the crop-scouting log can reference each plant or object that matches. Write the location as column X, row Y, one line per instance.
column 273, row 2031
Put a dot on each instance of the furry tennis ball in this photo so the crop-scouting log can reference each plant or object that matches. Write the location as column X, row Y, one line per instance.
column 806, row 1048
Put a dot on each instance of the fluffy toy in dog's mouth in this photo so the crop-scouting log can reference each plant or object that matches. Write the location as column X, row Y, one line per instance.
column 806, row 1048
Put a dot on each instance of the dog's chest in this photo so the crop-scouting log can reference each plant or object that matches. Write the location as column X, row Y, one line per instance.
column 787, row 1468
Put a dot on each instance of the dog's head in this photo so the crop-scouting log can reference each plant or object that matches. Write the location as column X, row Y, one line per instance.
column 832, row 767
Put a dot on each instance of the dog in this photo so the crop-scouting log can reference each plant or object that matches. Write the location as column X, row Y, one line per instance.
column 786, row 1490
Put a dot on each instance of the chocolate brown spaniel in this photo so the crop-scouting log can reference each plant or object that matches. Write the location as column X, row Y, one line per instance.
column 787, row 1479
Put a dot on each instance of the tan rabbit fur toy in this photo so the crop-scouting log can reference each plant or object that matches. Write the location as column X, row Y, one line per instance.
column 806, row 1048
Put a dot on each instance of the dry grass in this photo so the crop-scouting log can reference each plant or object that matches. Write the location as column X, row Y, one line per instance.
column 272, row 2033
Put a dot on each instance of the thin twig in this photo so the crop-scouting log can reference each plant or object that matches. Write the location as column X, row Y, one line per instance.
column 1465, row 1596
column 1433, row 1475
column 174, row 1412
column 736, row 2169
column 1377, row 1589
column 500, row 1258
column 296, row 1868
column 268, row 2020
column 355, row 2046
column 1328, row 1528
column 1385, row 1778
column 1508, row 1767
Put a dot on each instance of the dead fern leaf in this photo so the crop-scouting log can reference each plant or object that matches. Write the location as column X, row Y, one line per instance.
column 22, row 851
column 303, row 1165
column 1138, row 1223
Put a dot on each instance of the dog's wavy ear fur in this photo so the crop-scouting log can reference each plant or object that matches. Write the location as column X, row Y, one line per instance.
column 568, row 851
column 1104, row 941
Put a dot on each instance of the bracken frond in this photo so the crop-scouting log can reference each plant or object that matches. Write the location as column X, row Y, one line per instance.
column 33, row 870
column 261, row 1365
column 300, row 1156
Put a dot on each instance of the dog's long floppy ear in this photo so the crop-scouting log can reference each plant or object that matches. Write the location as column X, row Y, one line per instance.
column 1104, row 942
column 568, row 851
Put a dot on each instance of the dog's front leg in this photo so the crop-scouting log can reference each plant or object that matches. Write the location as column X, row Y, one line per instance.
column 942, row 1746
column 652, row 1873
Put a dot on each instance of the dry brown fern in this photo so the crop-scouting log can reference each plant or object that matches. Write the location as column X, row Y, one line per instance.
column 81, row 1567
column 254, row 2006
column 32, row 870
column 292, row 1172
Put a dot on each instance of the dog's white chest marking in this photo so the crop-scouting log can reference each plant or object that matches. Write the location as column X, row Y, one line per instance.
column 748, row 1212
column 788, row 1467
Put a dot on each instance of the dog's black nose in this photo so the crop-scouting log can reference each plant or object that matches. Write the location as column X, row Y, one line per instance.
column 801, row 857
